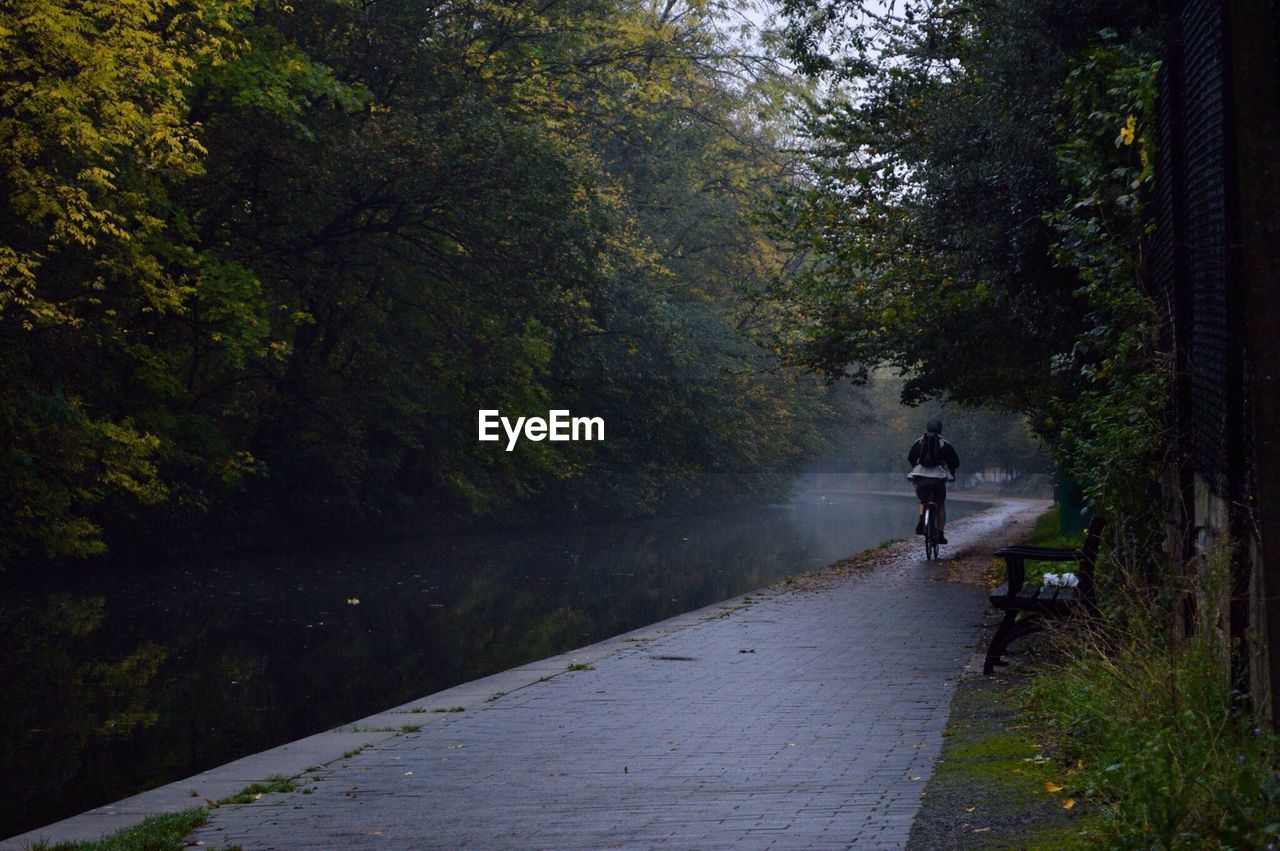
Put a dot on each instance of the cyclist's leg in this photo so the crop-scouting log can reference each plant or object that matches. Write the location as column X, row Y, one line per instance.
column 941, row 499
column 922, row 495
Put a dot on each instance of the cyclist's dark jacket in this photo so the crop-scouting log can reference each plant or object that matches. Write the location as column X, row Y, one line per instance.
column 946, row 453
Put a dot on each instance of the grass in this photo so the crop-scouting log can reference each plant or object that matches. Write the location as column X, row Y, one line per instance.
column 254, row 791
column 994, row 785
column 157, row 833
column 449, row 709
column 406, row 728
column 1165, row 751
column 581, row 666
column 168, row 832
column 1137, row 725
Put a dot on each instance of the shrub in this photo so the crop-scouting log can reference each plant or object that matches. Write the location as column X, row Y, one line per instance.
column 1158, row 735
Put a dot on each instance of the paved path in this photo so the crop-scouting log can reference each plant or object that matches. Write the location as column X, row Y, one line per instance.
column 806, row 716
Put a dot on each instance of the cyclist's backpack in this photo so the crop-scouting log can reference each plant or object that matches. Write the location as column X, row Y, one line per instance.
column 930, row 450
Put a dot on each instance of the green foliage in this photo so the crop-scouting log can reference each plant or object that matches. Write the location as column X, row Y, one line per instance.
column 1160, row 743
column 266, row 260
column 95, row 125
column 933, row 160
column 951, row 135
column 1119, row 412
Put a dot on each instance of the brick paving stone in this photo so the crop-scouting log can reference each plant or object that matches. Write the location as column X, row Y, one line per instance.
column 823, row 737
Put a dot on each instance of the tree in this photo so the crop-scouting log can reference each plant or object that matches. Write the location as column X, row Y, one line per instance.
column 935, row 161
column 95, row 131
column 322, row 237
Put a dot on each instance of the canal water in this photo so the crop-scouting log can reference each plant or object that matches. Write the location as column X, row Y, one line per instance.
column 118, row 681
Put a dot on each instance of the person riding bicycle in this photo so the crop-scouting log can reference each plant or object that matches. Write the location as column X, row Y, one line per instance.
column 933, row 461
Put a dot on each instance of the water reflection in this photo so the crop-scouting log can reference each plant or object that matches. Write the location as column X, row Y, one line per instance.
column 123, row 680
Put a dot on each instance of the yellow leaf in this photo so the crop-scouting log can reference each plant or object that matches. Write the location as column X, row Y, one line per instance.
column 1128, row 131
column 969, row 809
column 1050, row 786
column 1068, row 803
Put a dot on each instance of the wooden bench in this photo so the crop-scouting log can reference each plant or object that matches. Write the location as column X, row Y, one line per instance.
column 1027, row 606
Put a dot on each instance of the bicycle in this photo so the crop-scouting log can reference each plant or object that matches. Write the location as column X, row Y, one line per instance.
column 932, row 534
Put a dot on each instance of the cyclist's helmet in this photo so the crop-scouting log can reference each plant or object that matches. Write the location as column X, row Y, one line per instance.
column 934, row 427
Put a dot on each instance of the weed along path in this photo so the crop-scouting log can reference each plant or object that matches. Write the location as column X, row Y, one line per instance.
column 805, row 715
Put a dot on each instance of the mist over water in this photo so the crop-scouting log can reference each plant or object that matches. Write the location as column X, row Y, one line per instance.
column 129, row 678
